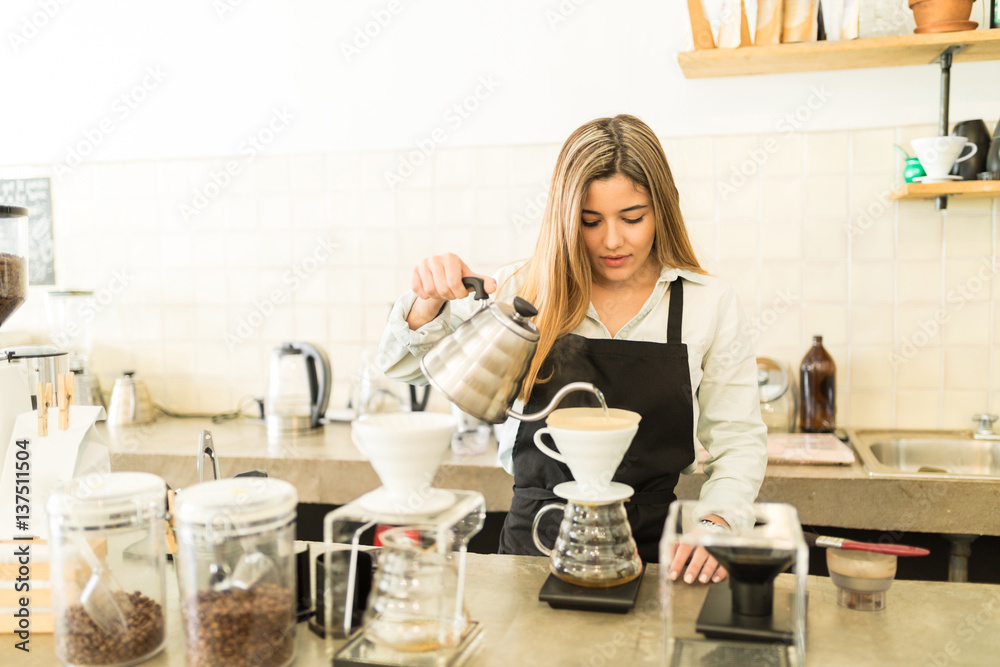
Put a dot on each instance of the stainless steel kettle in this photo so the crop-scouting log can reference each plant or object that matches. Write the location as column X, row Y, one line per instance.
column 480, row 365
column 299, row 388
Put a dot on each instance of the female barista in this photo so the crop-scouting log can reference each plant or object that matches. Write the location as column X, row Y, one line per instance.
column 622, row 303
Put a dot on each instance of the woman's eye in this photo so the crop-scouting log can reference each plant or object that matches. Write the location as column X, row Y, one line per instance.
column 632, row 222
column 590, row 223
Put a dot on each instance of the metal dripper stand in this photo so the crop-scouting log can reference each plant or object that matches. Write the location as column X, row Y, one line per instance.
column 757, row 615
column 343, row 578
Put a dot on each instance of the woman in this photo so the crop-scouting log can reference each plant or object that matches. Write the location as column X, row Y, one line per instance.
column 622, row 303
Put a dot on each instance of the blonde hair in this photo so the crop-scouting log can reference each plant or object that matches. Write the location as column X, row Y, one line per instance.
column 558, row 275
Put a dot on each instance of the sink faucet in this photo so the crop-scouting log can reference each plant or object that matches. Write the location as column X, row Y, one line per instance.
column 984, row 427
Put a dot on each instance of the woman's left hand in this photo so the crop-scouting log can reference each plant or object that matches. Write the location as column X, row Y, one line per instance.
column 702, row 566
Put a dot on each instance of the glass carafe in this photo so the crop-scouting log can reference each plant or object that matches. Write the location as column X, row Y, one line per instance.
column 236, row 570
column 108, row 568
column 595, row 547
column 415, row 603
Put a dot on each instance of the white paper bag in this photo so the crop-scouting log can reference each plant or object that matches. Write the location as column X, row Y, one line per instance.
column 59, row 456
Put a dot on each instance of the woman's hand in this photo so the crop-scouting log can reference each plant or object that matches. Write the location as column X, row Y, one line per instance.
column 702, row 566
column 438, row 279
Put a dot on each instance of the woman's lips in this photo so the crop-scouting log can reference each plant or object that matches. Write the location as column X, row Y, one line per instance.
column 615, row 260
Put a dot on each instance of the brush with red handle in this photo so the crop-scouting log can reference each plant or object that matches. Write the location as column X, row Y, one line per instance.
column 843, row 543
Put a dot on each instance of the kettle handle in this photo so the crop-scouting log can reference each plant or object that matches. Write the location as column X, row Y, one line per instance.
column 319, row 380
column 478, row 285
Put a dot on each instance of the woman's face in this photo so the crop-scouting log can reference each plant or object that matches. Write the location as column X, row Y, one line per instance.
column 618, row 228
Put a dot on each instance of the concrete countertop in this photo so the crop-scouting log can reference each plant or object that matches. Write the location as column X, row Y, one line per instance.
column 326, row 468
column 924, row 623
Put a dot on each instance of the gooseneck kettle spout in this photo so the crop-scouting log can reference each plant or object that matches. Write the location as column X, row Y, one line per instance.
column 480, row 366
column 571, row 387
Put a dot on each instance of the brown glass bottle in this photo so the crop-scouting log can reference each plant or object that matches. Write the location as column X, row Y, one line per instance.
column 818, row 379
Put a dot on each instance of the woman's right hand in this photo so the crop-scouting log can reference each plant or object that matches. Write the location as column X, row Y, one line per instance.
column 438, row 279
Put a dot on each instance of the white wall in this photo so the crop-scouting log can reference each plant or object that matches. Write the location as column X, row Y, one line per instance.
column 224, row 69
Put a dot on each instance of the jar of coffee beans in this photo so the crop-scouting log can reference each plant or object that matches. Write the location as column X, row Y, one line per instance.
column 236, row 570
column 14, row 237
column 108, row 568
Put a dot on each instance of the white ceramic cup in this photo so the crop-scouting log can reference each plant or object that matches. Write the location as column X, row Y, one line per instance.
column 938, row 155
column 591, row 446
column 404, row 448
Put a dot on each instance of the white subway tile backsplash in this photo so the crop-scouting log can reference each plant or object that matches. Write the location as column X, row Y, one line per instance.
column 919, row 282
column 968, row 236
column 967, row 323
column 799, row 223
column 872, row 151
column 828, row 152
column 872, row 282
column 824, row 281
column 967, row 367
column 920, row 236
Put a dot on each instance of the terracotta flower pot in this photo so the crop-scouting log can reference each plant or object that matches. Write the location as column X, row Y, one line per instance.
column 931, row 12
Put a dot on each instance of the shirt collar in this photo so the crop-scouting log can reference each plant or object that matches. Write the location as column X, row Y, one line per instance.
column 669, row 274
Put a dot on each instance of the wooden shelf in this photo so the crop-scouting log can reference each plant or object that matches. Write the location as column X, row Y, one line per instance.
column 967, row 189
column 836, row 55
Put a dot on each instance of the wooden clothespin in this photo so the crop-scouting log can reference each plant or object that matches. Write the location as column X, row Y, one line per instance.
column 71, row 388
column 64, row 387
column 44, row 401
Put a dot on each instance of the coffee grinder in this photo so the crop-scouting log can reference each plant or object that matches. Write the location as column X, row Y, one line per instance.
column 415, row 612
column 15, row 395
column 757, row 615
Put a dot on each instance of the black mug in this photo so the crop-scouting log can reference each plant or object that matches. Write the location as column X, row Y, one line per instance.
column 977, row 133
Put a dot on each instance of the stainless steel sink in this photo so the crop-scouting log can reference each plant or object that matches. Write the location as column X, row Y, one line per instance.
column 929, row 454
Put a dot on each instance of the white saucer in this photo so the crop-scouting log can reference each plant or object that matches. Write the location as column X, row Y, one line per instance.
column 428, row 502
column 936, row 179
column 588, row 494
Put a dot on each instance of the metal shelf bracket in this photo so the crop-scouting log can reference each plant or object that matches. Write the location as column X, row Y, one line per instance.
column 945, row 60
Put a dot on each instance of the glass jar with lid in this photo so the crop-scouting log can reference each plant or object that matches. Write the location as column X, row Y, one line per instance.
column 236, row 569
column 108, row 568
column 13, row 259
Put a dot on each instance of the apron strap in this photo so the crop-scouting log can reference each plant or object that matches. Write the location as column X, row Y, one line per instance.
column 675, row 313
column 534, row 493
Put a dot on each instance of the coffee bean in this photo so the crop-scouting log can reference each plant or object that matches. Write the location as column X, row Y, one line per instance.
column 239, row 627
column 80, row 641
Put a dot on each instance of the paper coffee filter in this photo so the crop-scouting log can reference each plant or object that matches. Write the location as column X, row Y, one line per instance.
column 591, row 418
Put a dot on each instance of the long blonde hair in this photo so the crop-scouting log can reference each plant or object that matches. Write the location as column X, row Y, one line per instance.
column 558, row 275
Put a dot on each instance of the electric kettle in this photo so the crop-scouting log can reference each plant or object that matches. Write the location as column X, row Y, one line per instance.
column 479, row 366
column 299, row 388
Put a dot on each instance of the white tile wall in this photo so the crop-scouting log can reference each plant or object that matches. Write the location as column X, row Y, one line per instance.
column 316, row 247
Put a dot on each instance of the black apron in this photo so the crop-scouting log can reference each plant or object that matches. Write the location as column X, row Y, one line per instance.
column 652, row 379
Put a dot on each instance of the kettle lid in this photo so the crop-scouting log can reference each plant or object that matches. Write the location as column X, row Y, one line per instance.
column 772, row 379
column 517, row 317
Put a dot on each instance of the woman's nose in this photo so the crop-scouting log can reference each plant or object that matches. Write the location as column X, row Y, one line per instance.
column 612, row 236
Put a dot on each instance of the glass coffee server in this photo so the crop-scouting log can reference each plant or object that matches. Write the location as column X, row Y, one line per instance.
column 415, row 609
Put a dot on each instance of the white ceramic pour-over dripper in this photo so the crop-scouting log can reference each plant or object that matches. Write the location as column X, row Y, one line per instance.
column 590, row 445
column 405, row 449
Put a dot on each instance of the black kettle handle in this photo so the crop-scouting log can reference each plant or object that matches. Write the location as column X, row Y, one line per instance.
column 478, row 285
